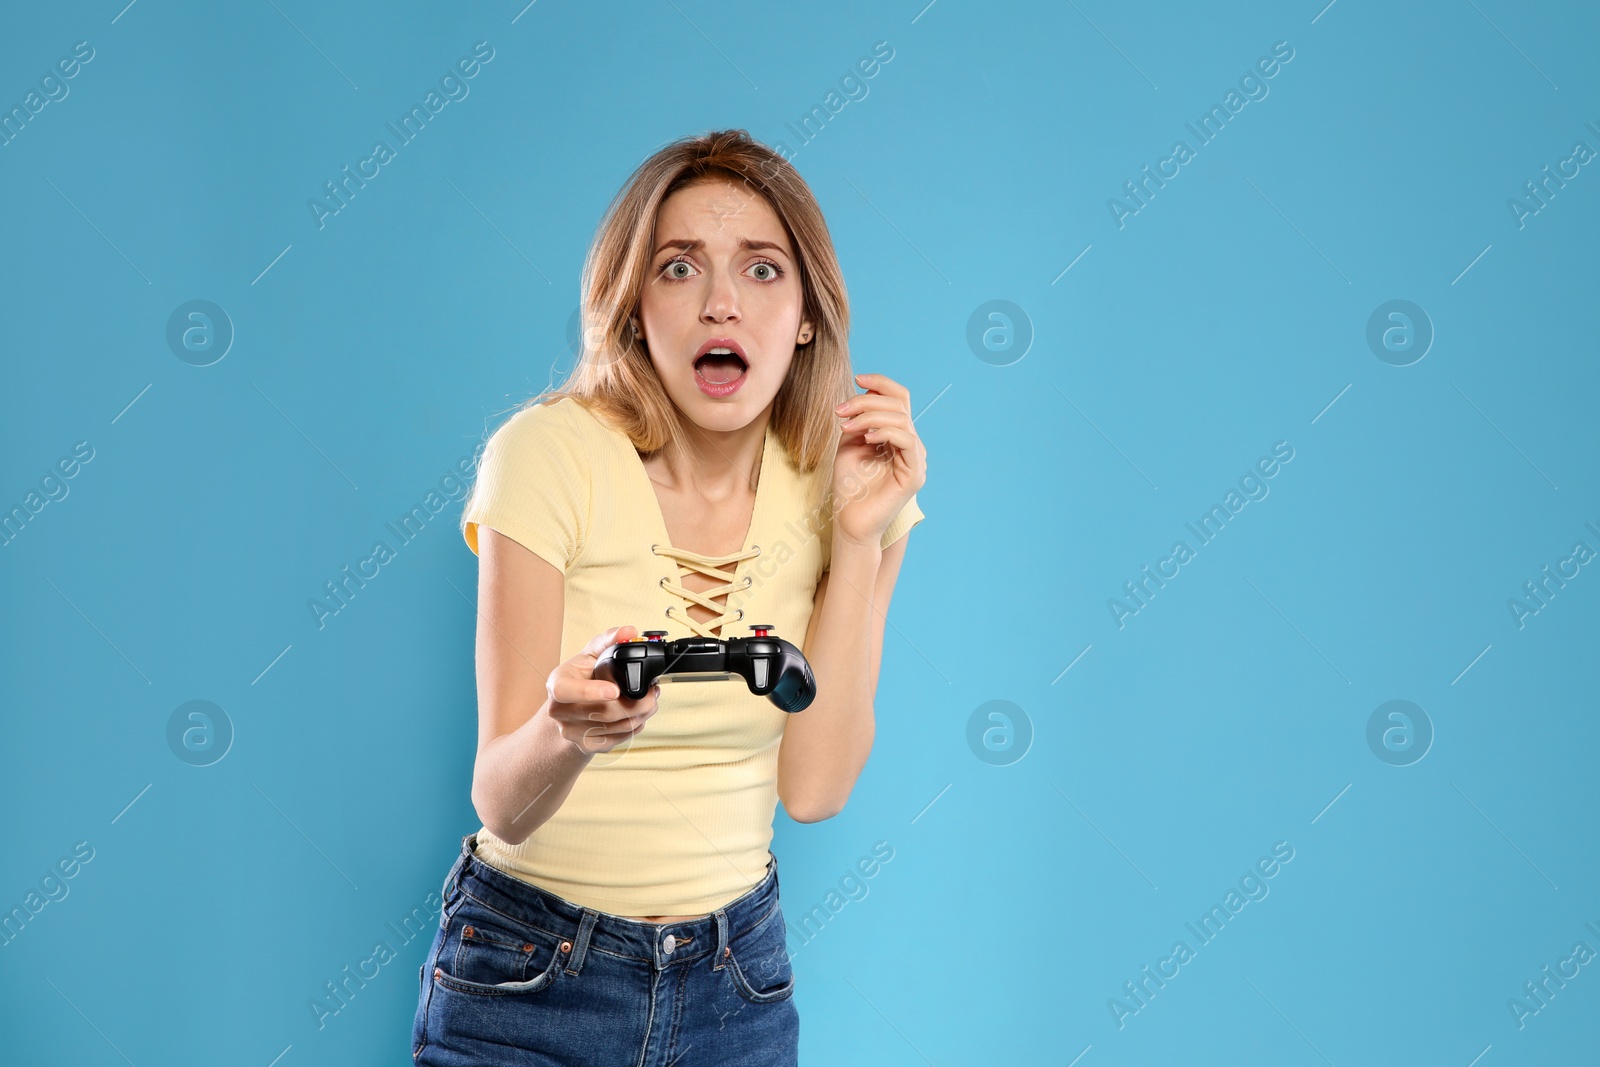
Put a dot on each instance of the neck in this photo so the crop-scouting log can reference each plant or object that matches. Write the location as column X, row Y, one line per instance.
column 716, row 464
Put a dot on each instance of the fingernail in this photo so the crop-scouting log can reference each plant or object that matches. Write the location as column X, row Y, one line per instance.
column 841, row 408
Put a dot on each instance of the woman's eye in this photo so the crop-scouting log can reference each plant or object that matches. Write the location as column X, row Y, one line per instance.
column 768, row 272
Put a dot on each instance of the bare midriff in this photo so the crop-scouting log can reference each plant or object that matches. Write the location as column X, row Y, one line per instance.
column 670, row 918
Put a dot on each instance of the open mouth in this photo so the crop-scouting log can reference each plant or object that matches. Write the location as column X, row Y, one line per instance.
column 720, row 371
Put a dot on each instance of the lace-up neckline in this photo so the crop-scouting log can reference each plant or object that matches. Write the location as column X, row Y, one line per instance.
column 711, row 567
column 708, row 565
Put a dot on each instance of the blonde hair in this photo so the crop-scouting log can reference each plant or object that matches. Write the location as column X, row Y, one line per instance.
column 614, row 376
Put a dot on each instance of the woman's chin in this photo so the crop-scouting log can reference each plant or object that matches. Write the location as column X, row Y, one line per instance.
column 721, row 414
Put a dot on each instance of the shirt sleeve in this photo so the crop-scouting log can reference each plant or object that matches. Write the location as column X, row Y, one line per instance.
column 909, row 516
column 533, row 485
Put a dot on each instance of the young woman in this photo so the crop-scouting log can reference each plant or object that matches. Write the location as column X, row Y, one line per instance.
column 707, row 466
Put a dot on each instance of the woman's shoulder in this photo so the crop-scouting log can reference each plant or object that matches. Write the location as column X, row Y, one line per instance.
column 558, row 423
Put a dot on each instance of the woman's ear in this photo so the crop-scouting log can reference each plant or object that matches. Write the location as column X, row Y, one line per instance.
column 806, row 333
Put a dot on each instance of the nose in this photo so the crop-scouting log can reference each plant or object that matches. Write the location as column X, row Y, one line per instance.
column 722, row 304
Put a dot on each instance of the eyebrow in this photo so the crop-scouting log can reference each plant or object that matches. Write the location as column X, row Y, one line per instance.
column 697, row 244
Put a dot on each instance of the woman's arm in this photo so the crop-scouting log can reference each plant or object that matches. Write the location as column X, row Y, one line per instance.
column 826, row 746
column 525, row 767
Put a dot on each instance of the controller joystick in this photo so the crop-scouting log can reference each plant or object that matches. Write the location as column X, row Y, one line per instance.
column 770, row 666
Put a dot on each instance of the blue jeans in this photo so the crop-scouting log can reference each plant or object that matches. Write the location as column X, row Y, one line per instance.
column 517, row 974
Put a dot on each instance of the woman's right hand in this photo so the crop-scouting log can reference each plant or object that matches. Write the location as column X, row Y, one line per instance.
column 592, row 713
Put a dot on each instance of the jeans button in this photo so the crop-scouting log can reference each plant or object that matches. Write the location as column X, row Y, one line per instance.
column 669, row 943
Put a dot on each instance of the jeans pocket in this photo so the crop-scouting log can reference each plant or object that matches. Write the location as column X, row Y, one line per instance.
column 758, row 964
column 485, row 954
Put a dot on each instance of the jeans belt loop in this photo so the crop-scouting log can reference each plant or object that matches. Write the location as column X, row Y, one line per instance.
column 580, row 943
column 456, row 871
column 721, row 953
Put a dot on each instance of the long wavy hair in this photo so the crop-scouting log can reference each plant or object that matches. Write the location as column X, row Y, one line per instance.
column 614, row 376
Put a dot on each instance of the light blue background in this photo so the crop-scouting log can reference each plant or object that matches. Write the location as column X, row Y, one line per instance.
column 1229, row 314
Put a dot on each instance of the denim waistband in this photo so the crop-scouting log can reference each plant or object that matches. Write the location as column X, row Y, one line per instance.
column 618, row 935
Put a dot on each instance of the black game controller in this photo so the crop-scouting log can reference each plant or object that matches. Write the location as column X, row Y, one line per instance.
column 769, row 665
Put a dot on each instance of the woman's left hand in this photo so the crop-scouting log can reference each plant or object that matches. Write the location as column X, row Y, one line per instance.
column 881, row 461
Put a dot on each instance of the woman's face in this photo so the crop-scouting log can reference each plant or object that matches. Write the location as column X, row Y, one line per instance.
column 722, row 276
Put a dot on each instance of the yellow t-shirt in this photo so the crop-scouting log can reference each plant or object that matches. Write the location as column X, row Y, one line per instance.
column 678, row 820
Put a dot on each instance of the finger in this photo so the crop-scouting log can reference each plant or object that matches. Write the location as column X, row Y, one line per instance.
column 570, row 688
column 572, row 717
column 866, row 401
column 620, row 728
column 638, row 710
column 872, row 402
column 607, row 709
column 869, row 420
column 899, row 434
column 635, row 723
column 615, row 710
column 614, row 636
column 879, row 383
column 594, row 743
column 896, row 437
column 633, row 704
column 851, row 417
column 606, row 714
